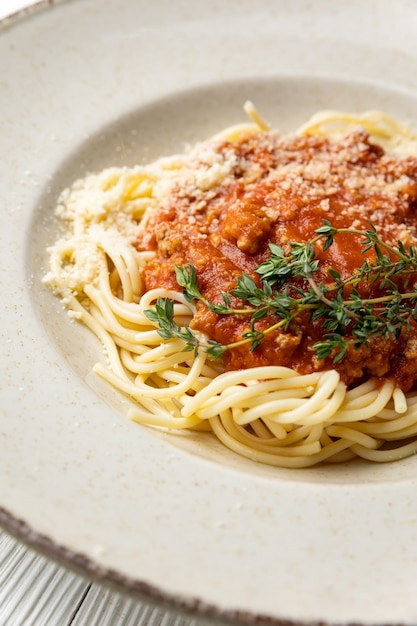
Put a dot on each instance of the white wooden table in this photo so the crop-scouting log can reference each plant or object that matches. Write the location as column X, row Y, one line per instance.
column 35, row 591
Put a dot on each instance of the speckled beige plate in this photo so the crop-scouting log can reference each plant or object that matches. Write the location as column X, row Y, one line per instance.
column 175, row 518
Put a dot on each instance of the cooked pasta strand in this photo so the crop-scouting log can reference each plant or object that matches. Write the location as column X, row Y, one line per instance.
column 269, row 414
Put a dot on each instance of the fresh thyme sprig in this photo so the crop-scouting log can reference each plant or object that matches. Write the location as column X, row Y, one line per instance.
column 347, row 318
column 163, row 315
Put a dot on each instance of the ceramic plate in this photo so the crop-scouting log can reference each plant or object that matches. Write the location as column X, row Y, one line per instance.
column 175, row 518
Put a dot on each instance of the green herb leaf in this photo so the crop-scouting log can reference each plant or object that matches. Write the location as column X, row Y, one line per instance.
column 347, row 318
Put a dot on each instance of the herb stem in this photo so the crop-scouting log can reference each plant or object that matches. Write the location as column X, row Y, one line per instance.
column 345, row 318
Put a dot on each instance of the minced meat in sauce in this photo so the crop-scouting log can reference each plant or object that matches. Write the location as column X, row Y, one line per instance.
column 273, row 189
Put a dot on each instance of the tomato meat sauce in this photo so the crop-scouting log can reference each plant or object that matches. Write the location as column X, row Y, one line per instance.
column 265, row 188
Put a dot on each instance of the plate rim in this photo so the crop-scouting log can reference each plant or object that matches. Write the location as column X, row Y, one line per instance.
column 84, row 564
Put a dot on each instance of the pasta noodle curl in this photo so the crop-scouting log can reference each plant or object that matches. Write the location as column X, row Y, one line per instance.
column 270, row 414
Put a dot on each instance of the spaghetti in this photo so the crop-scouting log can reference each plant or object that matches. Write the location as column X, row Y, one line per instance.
column 276, row 404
